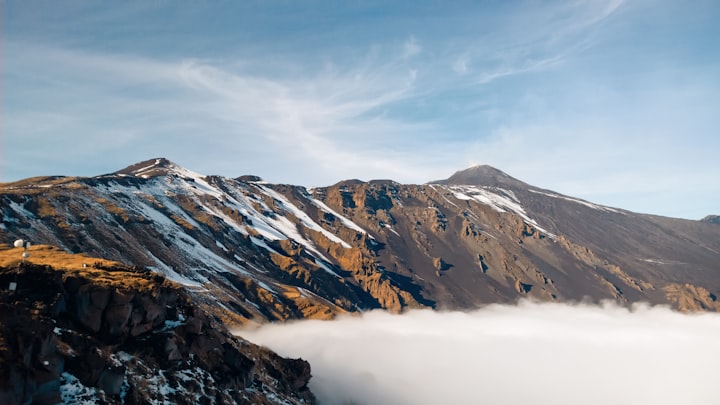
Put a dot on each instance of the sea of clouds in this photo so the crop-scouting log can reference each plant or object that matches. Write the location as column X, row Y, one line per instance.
column 529, row 353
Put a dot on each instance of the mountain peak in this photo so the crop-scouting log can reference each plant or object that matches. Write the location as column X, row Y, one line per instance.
column 150, row 168
column 484, row 170
column 482, row 175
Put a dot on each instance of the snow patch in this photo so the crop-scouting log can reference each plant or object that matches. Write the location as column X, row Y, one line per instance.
column 72, row 391
column 499, row 199
column 261, row 243
column 346, row 221
column 575, row 200
column 140, row 171
column 326, row 268
column 266, row 287
column 655, row 261
column 171, row 274
column 21, row 210
column 304, row 219
column 390, row 228
column 442, row 195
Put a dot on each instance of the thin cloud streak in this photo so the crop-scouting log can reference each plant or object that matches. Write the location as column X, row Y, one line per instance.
column 310, row 119
column 411, row 48
column 501, row 354
column 564, row 96
column 539, row 39
column 315, row 120
column 526, row 67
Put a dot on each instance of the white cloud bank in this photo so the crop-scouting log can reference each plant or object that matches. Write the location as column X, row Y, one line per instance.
column 526, row 354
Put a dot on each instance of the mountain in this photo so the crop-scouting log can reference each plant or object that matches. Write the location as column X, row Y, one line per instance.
column 483, row 175
column 248, row 250
column 156, row 262
column 111, row 333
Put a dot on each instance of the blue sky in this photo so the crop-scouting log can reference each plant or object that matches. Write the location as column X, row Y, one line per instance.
column 617, row 102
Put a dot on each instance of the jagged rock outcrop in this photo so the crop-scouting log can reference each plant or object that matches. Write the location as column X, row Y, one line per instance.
column 117, row 334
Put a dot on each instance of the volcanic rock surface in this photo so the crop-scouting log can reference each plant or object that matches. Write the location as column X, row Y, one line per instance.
column 249, row 251
column 85, row 330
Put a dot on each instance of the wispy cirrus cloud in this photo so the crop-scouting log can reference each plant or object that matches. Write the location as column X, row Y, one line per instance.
column 520, row 68
column 313, row 118
column 340, row 116
column 540, row 38
column 411, row 47
column 563, row 95
column 461, row 65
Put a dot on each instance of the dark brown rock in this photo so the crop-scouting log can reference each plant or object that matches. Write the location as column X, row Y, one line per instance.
column 38, row 347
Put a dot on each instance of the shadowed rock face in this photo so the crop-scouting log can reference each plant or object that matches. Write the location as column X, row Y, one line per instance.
column 119, row 335
column 271, row 252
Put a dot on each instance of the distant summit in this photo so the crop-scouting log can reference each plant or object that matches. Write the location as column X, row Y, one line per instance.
column 250, row 177
column 149, row 168
column 711, row 219
column 482, row 175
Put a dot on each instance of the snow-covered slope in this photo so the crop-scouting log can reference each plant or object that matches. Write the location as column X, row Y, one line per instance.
column 258, row 251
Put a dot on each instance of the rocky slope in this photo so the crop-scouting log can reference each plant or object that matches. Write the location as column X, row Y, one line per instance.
column 111, row 333
column 252, row 251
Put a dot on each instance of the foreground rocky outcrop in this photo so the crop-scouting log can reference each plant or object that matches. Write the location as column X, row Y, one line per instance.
column 111, row 333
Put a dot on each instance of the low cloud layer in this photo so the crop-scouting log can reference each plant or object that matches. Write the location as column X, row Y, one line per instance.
column 526, row 354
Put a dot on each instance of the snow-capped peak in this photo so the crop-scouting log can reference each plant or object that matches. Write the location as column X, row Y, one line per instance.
column 152, row 168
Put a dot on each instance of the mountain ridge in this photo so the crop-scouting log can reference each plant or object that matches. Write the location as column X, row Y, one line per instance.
column 479, row 174
column 275, row 252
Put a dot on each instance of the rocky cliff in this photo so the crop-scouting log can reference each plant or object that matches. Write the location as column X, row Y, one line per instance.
column 84, row 330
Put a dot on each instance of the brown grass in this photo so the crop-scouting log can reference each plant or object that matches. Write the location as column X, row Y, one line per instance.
column 113, row 209
column 45, row 208
column 51, row 256
column 311, row 307
column 182, row 222
column 72, row 265
column 35, row 183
